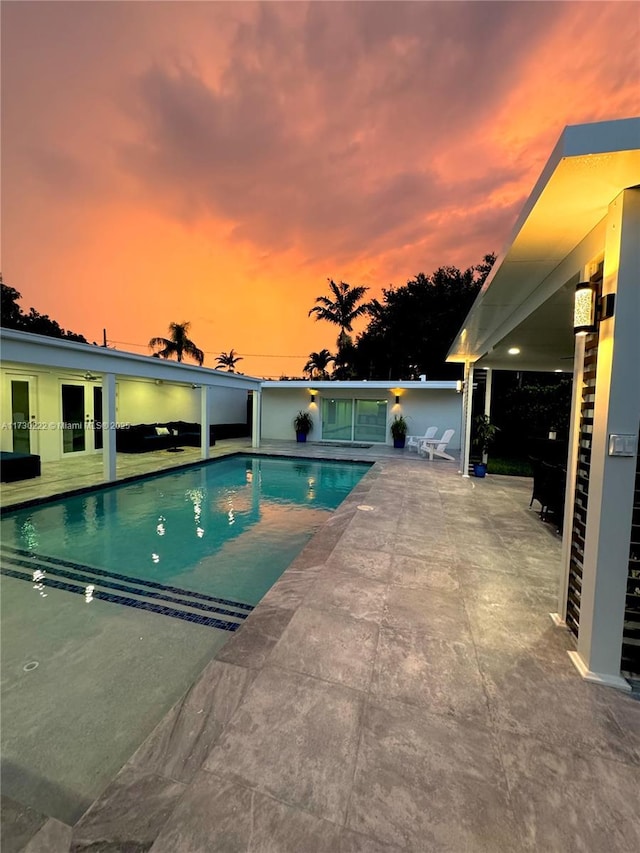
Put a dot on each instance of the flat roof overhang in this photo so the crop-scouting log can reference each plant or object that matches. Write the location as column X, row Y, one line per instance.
column 522, row 303
column 361, row 385
column 45, row 353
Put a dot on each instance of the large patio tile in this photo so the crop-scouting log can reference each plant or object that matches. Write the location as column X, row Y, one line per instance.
column 374, row 540
column 217, row 814
column 432, row 612
column 516, row 628
column 426, row 572
column 426, row 783
column 252, row 643
column 483, row 586
column 433, row 549
column 295, row 738
column 355, row 842
column 626, row 710
column 598, row 801
column 534, row 697
column 291, row 588
column 129, row 815
column 357, row 596
column 184, row 737
column 437, row 675
column 329, row 645
column 366, row 563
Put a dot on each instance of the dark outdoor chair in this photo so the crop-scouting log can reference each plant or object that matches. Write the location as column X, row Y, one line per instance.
column 549, row 490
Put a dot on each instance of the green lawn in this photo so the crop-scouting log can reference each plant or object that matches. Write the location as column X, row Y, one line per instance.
column 514, row 467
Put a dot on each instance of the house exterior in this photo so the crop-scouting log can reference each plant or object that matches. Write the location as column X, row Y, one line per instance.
column 359, row 411
column 581, row 224
column 61, row 398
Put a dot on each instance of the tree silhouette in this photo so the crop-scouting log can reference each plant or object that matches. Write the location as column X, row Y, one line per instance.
column 318, row 363
column 177, row 344
column 228, row 360
column 13, row 317
column 342, row 310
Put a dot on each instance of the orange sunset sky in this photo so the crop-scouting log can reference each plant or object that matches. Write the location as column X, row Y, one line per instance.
column 217, row 162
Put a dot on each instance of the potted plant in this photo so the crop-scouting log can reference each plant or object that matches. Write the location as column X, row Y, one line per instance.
column 303, row 424
column 399, row 431
column 485, row 432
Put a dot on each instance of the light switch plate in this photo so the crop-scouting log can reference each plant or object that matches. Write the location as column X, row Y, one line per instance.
column 623, row 445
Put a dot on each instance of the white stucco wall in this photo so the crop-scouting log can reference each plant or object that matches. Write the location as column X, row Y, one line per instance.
column 137, row 401
column 422, row 408
column 228, row 406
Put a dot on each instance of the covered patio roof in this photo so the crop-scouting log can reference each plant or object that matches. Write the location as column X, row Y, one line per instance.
column 527, row 300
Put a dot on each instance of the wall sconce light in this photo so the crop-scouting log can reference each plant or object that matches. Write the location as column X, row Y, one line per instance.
column 584, row 309
column 397, row 399
column 313, row 394
column 90, row 377
column 588, row 311
column 158, row 381
column 459, row 386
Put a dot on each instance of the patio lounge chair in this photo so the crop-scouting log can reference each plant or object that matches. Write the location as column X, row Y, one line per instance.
column 414, row 440
column 437, row 446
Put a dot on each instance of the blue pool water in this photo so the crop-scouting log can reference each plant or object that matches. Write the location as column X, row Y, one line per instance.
column 227, row 529
column 114, row 601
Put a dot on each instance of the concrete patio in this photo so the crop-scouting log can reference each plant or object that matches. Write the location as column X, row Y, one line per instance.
column 401, row 687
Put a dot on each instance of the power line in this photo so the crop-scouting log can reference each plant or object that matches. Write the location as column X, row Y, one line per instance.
column 213, row 352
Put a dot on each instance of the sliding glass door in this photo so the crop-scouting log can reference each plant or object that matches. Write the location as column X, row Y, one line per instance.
column 354, row 420
column 337, row 420
column 371, row 421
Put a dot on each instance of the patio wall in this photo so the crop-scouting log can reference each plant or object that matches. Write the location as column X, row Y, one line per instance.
column 422, row 408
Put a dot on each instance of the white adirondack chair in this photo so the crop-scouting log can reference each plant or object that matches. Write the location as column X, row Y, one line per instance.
column 437, row 446
column 414, row 440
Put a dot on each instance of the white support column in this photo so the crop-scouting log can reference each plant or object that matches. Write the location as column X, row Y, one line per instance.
column 205, row 397
column 467, row 406
column 256, row 418
column 109, row 418
column 572, row 469
column 612, row 478
column 487, row 401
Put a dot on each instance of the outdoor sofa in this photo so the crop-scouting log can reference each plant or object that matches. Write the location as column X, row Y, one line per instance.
column 142, row 438
column 18, row 466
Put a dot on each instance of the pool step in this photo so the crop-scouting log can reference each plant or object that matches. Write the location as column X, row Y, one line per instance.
column 97, row 583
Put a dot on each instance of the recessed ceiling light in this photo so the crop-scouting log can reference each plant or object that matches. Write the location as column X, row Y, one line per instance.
column 514, row 350
column 558, row 370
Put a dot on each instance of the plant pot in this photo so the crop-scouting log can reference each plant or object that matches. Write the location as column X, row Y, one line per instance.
column 398, row 443
column 301, row 437
column 479, row 469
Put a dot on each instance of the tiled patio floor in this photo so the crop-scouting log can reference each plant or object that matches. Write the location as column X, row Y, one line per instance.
column 401, row 687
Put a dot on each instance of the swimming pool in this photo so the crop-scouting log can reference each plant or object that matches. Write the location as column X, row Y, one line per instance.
column 113, row 601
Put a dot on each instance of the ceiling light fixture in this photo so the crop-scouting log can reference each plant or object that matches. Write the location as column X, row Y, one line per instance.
column 514, row 350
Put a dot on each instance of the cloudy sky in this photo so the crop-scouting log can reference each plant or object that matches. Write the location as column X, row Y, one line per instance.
column 217, row 161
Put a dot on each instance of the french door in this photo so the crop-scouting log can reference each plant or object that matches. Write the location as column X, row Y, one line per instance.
column 81, row 410
column 23, row 415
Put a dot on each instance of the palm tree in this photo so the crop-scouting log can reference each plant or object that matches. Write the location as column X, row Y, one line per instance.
column 342, row 311
column 177, row 344
column 228, row 360
column 318, row 364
